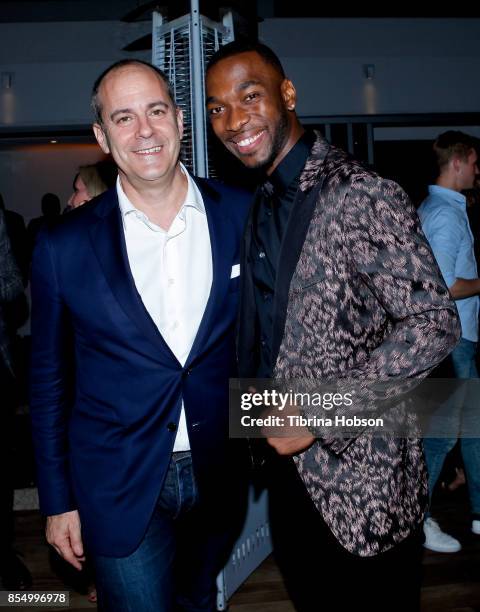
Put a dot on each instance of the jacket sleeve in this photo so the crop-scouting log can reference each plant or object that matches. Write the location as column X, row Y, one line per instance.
column 389, row 251
column 49, row 377
column 10, row 278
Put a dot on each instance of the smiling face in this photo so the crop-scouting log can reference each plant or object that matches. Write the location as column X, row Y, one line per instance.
column 251, row 109
column 140, row 127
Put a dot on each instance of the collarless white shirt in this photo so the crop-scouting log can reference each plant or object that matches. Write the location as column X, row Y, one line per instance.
column 172, row 270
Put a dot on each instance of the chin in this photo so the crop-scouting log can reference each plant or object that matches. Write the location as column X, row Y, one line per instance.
column 254, row 160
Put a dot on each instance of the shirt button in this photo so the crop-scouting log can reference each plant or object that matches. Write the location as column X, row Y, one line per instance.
column 171, row 426
column 171, row 281
column 175, row 325
column 261, row 254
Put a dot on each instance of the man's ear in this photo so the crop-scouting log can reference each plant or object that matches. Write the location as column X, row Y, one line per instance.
column 101, row 138
column 179, row 113
column 456, row 163
column 289, row 94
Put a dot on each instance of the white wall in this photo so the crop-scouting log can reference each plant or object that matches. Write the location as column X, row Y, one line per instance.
column 54, row 66
column 421, row 65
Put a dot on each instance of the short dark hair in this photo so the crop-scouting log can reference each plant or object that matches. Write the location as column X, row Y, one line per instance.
column 453, row 143
column 50, row 204
column 95, row 102
column 244, row 45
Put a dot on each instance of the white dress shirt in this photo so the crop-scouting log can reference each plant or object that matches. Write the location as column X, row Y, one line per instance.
column 172, row 271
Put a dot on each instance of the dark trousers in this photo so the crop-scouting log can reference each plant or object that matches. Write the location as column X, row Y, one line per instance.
column 320, row 575
column 176, row 564
column 7, row 411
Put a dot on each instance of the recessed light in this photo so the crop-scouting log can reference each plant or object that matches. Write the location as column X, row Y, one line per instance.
column 53, row 141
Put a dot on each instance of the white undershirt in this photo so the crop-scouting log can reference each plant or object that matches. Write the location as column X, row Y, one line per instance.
column 172, row 271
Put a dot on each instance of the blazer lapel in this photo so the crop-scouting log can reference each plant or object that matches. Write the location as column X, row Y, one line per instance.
column 223, row 244
column 310, row 186
column 108, row 242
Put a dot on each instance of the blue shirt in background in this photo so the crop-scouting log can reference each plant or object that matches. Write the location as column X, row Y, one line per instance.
column 443, row 215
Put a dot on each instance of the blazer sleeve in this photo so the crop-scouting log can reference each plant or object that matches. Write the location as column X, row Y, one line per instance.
column 390, row 253
column 49, row 375
column 10, row 278
column 388, row 249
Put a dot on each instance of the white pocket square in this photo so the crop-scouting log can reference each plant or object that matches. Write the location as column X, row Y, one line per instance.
column 235, row 271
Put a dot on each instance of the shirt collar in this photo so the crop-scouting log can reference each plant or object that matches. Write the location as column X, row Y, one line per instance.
column 193, row 198
column 291, row 166
column 450, row 194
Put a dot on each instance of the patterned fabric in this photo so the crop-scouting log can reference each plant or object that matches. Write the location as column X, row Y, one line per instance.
column 10, row 288
column 366, row 302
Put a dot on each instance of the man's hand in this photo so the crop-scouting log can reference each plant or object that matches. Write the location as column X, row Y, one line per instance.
column 63, row 533
column 291, row 446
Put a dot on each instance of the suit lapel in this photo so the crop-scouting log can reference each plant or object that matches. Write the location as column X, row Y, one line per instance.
column 310, row 186
column 108, row 242
column 223, row 243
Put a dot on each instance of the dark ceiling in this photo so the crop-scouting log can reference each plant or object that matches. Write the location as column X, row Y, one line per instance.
column 98, row 10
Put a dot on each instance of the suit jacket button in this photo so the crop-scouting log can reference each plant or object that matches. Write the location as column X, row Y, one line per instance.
column 171, row 427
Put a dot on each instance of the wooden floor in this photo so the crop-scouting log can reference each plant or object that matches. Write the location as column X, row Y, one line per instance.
column 451, row 581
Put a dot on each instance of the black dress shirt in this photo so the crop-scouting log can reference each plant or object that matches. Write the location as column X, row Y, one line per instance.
column 272, row 210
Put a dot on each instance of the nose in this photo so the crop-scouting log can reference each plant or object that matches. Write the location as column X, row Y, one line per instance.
column 144, row 128
column 237, row 118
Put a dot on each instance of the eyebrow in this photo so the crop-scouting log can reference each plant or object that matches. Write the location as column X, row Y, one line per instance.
column 122, row 111
column 240, row 87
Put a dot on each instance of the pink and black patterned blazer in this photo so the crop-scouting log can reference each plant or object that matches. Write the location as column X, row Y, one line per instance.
column 358, row 296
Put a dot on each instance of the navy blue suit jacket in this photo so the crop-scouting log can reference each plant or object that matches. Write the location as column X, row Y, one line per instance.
column 106, row 389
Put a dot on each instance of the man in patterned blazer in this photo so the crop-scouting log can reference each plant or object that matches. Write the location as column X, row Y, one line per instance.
column 338, row 282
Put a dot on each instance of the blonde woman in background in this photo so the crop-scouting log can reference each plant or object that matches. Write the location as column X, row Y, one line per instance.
column 90, row 181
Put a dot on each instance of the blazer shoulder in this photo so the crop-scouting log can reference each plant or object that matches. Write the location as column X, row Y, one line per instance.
column 81, row 218
column 235, row 202
column 343, row 166
column 69, row 235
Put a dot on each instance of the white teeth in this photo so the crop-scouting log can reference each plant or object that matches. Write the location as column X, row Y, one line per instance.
column 248, row 141
column 148, row 151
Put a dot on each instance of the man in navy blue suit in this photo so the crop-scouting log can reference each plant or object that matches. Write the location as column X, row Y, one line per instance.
column 134, row 302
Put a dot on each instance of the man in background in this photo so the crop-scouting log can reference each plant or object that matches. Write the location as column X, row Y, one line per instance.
column 445, row 222
column 51, row 209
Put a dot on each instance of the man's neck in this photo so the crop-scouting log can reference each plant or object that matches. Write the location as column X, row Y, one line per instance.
column 159, row 201
column 448, row 182
column 296, row 132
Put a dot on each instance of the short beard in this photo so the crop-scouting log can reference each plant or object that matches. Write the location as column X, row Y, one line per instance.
column 279, row 139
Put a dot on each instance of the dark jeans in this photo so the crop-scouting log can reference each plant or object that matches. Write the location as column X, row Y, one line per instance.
column 176, row 564
column 8, row 400
column 462, row 409
column 319, row 573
